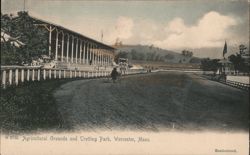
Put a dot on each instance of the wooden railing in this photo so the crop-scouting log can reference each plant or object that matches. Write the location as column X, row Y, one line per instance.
column 239, row 85
column 235, row 84
column 14, row 75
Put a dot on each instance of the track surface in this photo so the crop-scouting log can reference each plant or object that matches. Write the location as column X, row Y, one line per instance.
column 154, row 102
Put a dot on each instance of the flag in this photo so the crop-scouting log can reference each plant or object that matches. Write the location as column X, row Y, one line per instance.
column 225, row 49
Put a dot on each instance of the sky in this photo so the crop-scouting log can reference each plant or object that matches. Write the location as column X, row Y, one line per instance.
column 199, row 26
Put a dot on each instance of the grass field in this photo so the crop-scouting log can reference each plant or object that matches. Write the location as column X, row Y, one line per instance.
column 30, row 107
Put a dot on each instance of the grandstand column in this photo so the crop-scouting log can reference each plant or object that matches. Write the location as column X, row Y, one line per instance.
column 67, row 59
column 90, row 52
column 62, row 47
column 112, row 59
column 109, row 59
column 80, row 60
column 76, row 50
column 95, row 54
column 87, row 50
column 103, row 57
column 106, row 59
column 98, row 56
column 72, row 49
column 56, row 45
column 84, row 50
column 50, row 31
column 102, row 60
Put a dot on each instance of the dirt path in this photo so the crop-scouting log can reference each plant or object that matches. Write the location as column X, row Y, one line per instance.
column 157, row 101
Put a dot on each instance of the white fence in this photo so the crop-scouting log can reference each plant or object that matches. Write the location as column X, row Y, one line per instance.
column 241, row 79
column 241, row 82
column 14, row 75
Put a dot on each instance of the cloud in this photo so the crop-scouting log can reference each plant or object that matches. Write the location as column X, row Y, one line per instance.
column 122, row 30
column 210, row 31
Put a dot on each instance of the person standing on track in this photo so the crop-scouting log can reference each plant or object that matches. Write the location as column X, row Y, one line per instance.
column 114, row 74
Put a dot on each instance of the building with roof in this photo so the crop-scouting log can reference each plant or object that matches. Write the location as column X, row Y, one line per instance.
column 72, row 49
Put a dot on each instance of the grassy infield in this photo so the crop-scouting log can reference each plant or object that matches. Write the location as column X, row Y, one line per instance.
column 30, row 106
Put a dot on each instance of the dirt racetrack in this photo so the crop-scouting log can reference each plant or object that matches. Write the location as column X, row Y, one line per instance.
column 154, row 102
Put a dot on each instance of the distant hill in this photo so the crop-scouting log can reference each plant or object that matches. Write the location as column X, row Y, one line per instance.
column 151, row 53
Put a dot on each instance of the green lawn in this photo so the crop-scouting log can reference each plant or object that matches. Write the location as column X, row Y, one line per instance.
column 30, row 106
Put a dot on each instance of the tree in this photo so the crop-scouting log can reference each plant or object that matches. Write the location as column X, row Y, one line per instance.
column 242, row 49
column 195, row 60
column 238, row 62
column 134, row 54
column 23, row 28
column 187, row 53
column 121, row 54
column 169, row 56
column 210, row 64
column 151, row 46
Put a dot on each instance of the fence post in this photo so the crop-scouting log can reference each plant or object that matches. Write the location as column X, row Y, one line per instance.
column 28, row 74
column 60, row 72
column 4, row 79
column 10, row 77
column 44, row 74
column 83, row 74
column 80, row 74
column 70, row 74
column 49, row 73
column 33, row 75
column 55, row 74
column 38, row 74
column 16, row 76
column 22, row 75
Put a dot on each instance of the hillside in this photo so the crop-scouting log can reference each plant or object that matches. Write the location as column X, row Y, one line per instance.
column 151, row 53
